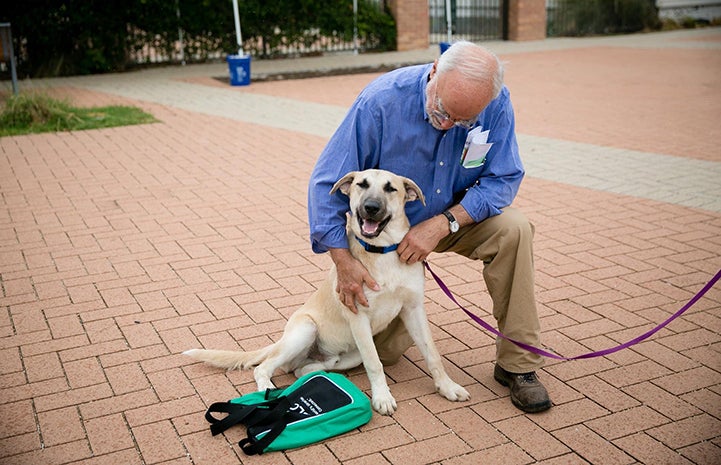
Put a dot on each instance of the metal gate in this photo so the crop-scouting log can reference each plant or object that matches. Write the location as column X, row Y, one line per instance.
column 473, row 20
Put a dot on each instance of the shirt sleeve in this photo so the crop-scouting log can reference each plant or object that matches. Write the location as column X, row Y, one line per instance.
column 352, row 147
column 503, row 171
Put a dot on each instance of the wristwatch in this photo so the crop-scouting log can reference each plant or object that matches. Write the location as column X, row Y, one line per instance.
column 452, row 223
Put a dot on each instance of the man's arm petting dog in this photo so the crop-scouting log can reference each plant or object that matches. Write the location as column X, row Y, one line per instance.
column 323, row 334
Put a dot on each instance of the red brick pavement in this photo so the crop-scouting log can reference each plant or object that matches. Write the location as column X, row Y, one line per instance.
column 123, row 247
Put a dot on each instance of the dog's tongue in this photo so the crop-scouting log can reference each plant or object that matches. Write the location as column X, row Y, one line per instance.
column 370, row 227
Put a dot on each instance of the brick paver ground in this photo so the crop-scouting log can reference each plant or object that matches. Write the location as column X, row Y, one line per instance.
column 121, row 248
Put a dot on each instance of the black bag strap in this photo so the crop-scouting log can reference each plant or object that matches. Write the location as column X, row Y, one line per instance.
column 276, row 419
column 236, row 414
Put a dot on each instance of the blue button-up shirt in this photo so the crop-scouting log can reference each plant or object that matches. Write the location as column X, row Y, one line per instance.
column 387, row 128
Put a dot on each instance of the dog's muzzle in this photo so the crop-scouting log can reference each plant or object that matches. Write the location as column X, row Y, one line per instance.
column 371, row 218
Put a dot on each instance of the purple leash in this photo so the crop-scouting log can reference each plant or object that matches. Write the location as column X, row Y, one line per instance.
column 599, row 353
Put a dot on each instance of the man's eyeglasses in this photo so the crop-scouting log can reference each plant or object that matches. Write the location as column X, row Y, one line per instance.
column 442, row 117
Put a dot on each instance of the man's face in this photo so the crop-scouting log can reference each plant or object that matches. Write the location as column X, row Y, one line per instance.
column 452, row 100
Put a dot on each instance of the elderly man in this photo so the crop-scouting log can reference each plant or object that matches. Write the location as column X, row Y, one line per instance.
column 450, row 127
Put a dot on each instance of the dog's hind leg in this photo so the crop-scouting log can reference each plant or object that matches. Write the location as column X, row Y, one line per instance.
column 341, row 362
column 289, row 352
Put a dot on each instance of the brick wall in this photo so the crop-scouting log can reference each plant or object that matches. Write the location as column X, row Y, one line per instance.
column 412, row 23
column 526, row 19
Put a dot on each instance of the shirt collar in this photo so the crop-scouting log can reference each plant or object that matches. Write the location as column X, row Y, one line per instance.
column 425, row 78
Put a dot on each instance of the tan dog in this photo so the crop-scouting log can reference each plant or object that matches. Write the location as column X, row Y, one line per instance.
column 323, row 334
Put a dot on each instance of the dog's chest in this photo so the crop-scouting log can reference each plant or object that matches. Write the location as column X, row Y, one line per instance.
column 394, row 276
column 400, row 286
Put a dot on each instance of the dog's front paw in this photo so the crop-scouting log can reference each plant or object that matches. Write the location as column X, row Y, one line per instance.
column 384, row 403
column 454, row 392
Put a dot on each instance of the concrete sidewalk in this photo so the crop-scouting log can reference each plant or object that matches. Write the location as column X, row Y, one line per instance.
column 123, row 247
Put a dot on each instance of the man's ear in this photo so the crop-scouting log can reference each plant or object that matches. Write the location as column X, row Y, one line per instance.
column 344, row 183
column 434, row 69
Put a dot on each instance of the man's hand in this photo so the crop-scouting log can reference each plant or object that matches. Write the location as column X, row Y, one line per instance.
column 421, row 239
column 352, row 275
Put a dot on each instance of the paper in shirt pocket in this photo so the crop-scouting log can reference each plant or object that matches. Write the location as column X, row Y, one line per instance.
column 476, row 148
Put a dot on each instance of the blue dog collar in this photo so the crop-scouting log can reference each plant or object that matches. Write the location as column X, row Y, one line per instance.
column 376, row 249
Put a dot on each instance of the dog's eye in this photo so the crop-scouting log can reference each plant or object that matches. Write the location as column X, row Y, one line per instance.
column 364, row 184
column 389, row 188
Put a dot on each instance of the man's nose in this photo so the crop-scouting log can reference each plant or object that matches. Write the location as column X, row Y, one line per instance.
column 447, row 124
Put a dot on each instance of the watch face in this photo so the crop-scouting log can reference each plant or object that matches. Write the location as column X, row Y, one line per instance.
column 454, row 227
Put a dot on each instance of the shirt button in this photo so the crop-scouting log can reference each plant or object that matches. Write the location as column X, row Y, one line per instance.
column 441, row 163
column 438, row 191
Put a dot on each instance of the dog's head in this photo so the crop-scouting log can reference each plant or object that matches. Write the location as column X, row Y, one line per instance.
column 377, row 202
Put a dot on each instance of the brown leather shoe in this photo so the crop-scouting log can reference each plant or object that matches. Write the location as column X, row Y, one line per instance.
column 527, row 393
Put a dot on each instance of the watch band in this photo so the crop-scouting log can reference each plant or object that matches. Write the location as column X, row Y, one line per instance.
column 452, row 222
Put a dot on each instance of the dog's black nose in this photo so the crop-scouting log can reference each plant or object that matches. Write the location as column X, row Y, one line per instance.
column 372, row 207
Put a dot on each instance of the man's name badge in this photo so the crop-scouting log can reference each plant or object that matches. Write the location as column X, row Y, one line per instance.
column 476, row 148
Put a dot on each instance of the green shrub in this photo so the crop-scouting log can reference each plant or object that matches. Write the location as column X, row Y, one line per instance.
column 688, row 22
column 26, row 110
column 669, row 24
column 68, row 37
column 591, row 17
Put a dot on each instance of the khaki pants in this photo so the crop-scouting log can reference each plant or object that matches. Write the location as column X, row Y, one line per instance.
column 504, row 243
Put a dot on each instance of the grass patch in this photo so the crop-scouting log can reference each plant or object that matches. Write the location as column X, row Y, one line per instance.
column 37, row 113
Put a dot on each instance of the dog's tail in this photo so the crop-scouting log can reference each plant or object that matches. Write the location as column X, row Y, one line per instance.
column 230, row 359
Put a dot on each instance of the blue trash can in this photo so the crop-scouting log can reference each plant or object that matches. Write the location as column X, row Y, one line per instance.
column 444, row 46
column 239, row 67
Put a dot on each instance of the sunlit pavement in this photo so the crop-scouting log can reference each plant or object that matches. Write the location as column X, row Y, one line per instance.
column 123, row 247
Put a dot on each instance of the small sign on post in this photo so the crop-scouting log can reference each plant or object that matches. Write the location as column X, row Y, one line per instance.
column 8, row 55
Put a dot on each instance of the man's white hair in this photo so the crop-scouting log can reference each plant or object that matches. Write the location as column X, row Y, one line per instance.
column 473, row 61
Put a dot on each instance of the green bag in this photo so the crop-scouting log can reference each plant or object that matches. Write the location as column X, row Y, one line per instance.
column 317, row 406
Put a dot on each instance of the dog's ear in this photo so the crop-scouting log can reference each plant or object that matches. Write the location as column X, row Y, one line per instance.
column 344, row 183
column 413, row 192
